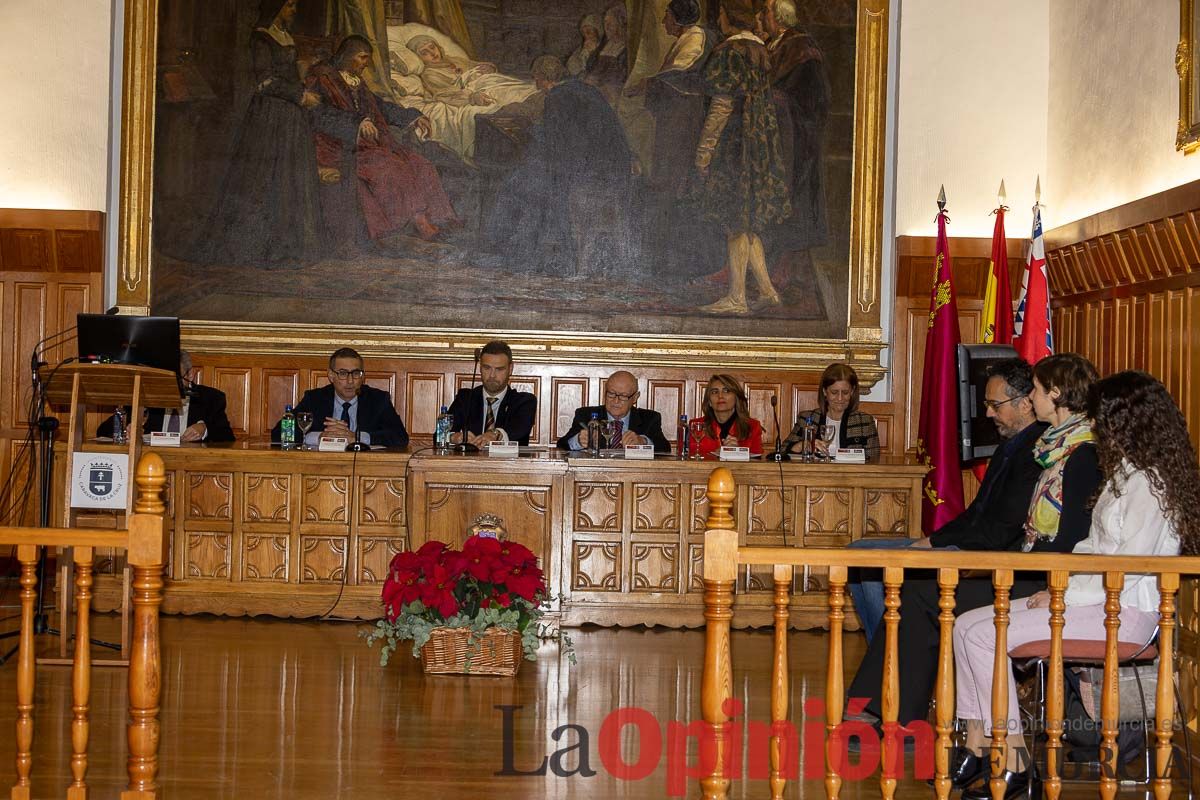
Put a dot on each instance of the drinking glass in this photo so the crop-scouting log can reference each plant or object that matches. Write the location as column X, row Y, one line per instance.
column 828, row 434
column 304, row 421
column 697, row 425
column 610, row 434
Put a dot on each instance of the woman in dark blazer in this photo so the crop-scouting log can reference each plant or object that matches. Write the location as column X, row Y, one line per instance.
column 837, row 404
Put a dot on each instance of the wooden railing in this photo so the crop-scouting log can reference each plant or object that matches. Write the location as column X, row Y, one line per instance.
column 146, row 546
column 723, row 557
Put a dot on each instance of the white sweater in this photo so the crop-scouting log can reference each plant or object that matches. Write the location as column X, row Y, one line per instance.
column 1132, row 524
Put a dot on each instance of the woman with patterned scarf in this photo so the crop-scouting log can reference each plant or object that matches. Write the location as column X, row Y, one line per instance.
column 1060, row 516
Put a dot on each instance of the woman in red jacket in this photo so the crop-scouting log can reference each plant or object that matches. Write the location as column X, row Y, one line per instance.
column 727, row 420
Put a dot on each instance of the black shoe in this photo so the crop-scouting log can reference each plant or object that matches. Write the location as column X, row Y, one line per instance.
column 965, row 768
column 1015, row 785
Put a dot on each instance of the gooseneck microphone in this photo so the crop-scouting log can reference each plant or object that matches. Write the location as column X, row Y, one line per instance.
column 357, row 446
column 464, row 446
column 779, row 454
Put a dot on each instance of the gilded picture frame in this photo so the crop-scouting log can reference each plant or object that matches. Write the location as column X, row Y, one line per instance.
column 1187, row 138
column 861, row 346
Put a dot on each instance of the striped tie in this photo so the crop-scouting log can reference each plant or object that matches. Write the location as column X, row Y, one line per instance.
column 489, row 422
column 617, row 427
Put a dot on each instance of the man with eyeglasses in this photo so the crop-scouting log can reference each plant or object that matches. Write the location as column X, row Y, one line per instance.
column 493, row 411
column 637, row 425
column 347, row 406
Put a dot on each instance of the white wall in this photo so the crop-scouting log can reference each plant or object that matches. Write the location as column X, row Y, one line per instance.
column 971, row 110
column 1114, row 106
column 54, row 78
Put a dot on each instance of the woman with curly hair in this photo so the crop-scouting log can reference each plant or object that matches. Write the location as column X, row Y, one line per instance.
column 727, row 420
column 1149, row 505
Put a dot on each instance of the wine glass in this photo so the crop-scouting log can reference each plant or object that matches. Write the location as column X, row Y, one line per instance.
column 610, row 433
column 828, row 434
column 697, row 433
column 304, row 421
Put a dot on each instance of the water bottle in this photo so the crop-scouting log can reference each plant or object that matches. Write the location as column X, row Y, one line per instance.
column 441, row 435
column 808, row 442
column 287, row 429
column 120, row 427
column 683, row 437
column 595, row 431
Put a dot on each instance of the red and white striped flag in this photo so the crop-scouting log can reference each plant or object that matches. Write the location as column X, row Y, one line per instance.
column 1032, row 335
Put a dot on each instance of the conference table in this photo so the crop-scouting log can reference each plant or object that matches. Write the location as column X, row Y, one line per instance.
column 255, row 529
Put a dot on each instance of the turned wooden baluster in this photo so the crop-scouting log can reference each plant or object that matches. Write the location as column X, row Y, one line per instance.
column 720, row 571
column 891, row 761
column 779, row 682
column 81, row 674
column 27, row 555
column 1057, row 585
column 1110, row 701
column 835, row 689
column 1164, row 703
column 944, row 692
column 147, row 551
column 1002, row 581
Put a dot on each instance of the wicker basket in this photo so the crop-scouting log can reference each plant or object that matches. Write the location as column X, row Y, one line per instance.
column 497, row 652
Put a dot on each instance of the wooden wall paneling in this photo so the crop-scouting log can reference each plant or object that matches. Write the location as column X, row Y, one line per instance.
column 1191, row 409
column 1177, row 345
column 424, row 396
column 30, row 311
column 1141, row 333
column 235, row 383
column 758, row 397
column 668, row 398
column 76, row 250
column 26, row 250
column 1122, row 333
column 566, row 395
column 280, row 388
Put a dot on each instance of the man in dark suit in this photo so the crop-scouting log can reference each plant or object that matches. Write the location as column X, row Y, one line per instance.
column 506, row 416
column 346, row 407
column 638, row 425
column 200, row 417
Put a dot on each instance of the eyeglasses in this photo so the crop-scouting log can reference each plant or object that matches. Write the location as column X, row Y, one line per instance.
column 619, row 397
column 995, row 404
column 346, row 374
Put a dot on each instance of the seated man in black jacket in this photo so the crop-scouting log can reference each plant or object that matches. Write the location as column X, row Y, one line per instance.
column 199, row 418
column 347, row 407
column 507, row 415
column 638, row 425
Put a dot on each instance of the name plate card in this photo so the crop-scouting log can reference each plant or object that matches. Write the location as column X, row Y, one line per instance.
column 734, row 454
column 332, row 444
column 640, row 451
column 164, row 439
column 503, row 449
column 850, row 455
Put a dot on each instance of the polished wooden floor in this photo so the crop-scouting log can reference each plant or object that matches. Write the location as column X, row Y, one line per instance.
column 258, row 708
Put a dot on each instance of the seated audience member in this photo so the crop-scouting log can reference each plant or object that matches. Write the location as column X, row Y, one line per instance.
column 837, row 404
column 638, row 425
column 201, row 418
column 727, row 420
column 1055, row 519
column 493, row 411
column 1149, row 506
column 347, row 406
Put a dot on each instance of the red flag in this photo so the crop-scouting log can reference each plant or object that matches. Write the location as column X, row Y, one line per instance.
column 1033, row 338
column 937, row 431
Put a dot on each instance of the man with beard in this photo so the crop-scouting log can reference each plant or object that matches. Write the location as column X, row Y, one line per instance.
column 493, row 412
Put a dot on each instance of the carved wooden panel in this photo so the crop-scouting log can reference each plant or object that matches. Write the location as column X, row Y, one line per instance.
column 655, row 567
column 267, row 498
column 566, row 395
column 523, row 510
column 322, row 559
column 759, row 395
column 828, row 511
column 30, row 314
column 324, row 499
column 597, row 506
column 281, row 387
column 695, row 568
column 595, row 566
column 699, row 508
column 375, row 553
column 209, row 496
column 656, row 507
column 265, row 557
column 668, row 398
column 209, row 555
column 425, row 394
column 771, row 509
column 235, row 383
column 381, row 501
column 885, row 512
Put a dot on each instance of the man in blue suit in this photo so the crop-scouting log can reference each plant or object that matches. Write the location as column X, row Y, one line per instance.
column 347, row 407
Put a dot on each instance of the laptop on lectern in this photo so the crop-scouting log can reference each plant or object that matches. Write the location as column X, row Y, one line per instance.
column 143, row 341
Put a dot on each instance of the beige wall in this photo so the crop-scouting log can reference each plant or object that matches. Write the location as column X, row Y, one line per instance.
column 971, row 109
column 1114, row 105
column 54, row 78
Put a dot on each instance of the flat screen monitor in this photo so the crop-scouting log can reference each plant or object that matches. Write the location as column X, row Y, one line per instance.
column 978, row 435
column 145, row 341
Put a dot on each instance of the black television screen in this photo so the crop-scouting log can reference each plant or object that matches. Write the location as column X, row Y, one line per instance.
column 978, row 436
column 145, row 341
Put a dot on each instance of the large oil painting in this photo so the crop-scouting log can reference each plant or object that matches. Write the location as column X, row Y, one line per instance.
column 645, row 167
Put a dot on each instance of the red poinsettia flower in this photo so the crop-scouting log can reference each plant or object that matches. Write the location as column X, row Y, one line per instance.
column 514, row 553
column 522, row 580
column 481, row 555
column 438, row 591
column 404, row 561
column 430, row 552
column 503, row 599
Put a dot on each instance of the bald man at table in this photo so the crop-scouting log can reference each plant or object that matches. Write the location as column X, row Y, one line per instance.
column 637, row 425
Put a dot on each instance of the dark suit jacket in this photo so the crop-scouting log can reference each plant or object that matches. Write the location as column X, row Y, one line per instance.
column 642, row 421
column 207, row 405
column 858, row 429
column 376, row 414
column 515, row 414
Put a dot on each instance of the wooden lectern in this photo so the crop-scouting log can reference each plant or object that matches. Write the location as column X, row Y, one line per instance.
column 78, row 386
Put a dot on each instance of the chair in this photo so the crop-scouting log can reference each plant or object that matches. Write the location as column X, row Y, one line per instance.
column 1090, row 652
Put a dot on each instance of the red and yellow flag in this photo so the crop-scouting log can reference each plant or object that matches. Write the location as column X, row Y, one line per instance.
column 997, row 322
column 937, row 431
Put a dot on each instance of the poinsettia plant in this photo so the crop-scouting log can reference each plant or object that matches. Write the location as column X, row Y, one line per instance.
column 488, row 584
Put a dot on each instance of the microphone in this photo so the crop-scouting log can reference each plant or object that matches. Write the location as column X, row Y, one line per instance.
column 357, row 446
column 779, row 454
column 464, row 446
column 35, row 361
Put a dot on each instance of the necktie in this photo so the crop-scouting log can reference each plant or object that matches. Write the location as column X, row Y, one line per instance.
column 617, row 428
column 173, row 422
column 489, row 421
column 345, row 413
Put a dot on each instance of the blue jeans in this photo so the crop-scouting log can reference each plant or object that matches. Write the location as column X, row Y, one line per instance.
column 866, row 584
